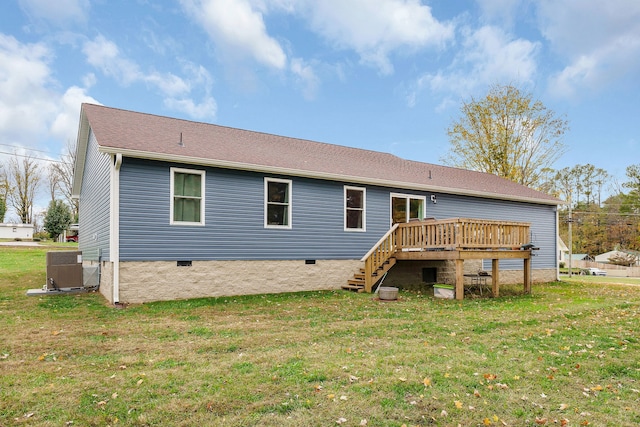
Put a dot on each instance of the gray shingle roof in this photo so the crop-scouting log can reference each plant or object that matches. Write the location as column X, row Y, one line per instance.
column 155, row 137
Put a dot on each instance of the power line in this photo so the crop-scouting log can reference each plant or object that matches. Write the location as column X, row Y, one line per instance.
column 31, row 157
column 608, row 213
column 31, row 149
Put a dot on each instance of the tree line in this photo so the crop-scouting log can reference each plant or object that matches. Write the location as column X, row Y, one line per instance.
column 22, row 180
column 511, row 134
column 598, row 225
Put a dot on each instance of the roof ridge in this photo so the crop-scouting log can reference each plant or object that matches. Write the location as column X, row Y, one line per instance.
column 152, row 136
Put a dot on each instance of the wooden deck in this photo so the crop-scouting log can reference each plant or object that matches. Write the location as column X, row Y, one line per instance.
column 456, row 239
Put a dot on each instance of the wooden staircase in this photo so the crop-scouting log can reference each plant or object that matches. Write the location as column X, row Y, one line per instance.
column 451, row 239
column 358, row 283
column 377, row 262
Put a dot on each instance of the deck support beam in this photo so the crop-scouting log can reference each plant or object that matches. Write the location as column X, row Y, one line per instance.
column 527, row 275
column 495, row 279
column 459, row 258
column 459, row 278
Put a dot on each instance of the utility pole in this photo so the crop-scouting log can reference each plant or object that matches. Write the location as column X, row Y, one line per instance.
column 570, row 222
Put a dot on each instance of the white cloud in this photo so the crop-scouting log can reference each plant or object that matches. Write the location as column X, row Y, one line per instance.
column 26, row 99
column 503, row 12
column 65, row 124
column 105, row 55
column 600, row 41
column 375, row 30
column 201, row 111
column 59, row 13
column 306, row 77
column 488, row 55
column 238, row 30
column 34, row 115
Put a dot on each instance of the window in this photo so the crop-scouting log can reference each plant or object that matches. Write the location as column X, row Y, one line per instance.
column 406, row 207
column 277, row 201
column 354, row 209
column 187, row 196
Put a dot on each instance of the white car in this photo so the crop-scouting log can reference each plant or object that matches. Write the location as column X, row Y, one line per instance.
column 593, row 271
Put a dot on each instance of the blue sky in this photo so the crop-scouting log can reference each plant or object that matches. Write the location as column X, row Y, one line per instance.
column 386, row 75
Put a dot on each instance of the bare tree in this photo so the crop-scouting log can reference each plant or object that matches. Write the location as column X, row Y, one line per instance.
column 52, row 181
column 4, row 191
column 25, row 178
column 61, row 178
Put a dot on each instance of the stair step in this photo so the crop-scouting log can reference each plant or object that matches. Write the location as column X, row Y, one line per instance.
column 355, row 282
column 353, row 288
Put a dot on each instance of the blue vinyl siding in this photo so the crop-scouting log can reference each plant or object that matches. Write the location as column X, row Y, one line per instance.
column 93, row 216
column 234, row 218
column 541, row 217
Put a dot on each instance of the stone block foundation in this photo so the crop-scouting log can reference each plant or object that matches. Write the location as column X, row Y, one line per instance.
column 166, row 280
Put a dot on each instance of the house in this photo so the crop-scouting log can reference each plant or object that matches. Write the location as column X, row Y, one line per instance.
column 605, row 258
column 16, row 231
column 581, row 257
column 173, row 209
column 563, row 252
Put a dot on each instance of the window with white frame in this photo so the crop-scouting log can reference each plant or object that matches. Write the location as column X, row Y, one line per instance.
column 405, row 207
column 354, row 208
column 277, row 203
column 187, row 196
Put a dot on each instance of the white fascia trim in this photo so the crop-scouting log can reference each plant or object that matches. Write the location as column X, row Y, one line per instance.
column 81, row 153
column 321, row 175
column 114, row 224
column 557, row 246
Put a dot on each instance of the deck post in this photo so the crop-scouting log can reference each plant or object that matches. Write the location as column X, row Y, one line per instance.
column 495, row 279
column 459, row 279
column 527, row 275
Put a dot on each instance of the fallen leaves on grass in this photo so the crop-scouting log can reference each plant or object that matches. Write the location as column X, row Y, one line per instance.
column 24, row 417
column 48, row 357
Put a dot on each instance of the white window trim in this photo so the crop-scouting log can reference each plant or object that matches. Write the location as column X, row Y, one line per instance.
column 289, row 207
column 364, row 208
column 202, row 199
column 406, row 196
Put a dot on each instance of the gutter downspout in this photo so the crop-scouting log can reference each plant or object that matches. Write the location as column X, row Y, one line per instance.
column 558, row 250
column 114, row 220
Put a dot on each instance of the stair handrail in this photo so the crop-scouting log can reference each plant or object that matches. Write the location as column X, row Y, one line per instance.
column 382, row 239
column 368, row 259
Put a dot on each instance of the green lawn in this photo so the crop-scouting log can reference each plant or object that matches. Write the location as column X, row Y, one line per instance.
column 602, row 279
column 569, row 354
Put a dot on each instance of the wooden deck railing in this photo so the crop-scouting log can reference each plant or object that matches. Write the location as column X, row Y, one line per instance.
column 449, row 234
column 462, row 233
